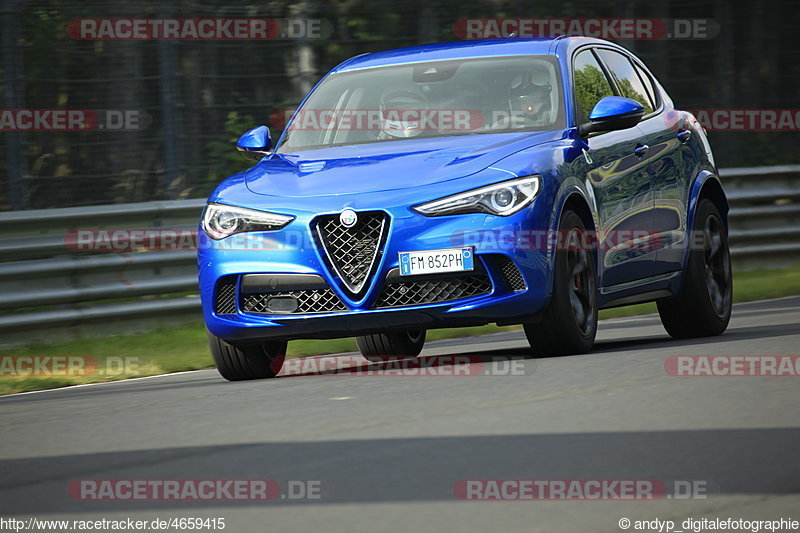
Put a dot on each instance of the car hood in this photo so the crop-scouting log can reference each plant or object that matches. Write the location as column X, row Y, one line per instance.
column 385, row 166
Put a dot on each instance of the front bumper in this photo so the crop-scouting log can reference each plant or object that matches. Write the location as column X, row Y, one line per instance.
column 511, row 284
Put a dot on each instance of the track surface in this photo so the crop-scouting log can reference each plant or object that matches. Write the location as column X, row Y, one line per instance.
column 388, row 450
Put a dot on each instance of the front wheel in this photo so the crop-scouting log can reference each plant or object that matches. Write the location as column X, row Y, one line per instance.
column 569, row 324
column 257, row 361
column 391, row 346
column 703, row 307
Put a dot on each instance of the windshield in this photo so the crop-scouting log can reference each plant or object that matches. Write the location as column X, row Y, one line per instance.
column 430, row 99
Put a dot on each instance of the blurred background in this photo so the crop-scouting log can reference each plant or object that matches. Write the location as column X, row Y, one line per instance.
column 199, row 96
column 388, row 451
column 193, row 98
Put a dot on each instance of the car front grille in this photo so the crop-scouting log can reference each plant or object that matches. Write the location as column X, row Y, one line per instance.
column 225, row 296
column 353, row 252
column 398, row 292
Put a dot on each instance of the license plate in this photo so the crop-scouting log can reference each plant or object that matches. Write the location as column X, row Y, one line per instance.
column 436, row 261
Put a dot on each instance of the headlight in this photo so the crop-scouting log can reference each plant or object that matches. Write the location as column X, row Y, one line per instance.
column 220, row 221
column 501, row 199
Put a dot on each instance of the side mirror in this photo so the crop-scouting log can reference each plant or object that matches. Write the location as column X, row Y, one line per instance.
column 612, row 113
column 255, row 144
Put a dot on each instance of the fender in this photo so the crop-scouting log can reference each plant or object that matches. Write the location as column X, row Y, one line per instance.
column 569, row 187
column 703, row 179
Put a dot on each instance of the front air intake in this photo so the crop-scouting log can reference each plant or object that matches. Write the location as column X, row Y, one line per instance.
column 512, row 277
column 225, row 296
column 400, row 291
column 288, row 294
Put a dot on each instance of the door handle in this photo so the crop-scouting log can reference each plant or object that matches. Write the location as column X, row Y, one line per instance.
column 641, row 149
column 684, row 135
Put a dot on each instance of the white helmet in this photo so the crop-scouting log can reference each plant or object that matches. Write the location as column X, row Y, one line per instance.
column 401, row 113
column 530, row 93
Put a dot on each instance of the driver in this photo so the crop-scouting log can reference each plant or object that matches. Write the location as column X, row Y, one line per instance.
column 528, row 101
column 401, row 114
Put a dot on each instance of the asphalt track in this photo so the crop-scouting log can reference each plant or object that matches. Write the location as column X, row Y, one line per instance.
column 388, row 450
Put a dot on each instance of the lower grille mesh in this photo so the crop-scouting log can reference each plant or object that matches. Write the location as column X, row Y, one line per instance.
column 308, row 301
column 403, row 293
column 225, row 296
column 511, row 274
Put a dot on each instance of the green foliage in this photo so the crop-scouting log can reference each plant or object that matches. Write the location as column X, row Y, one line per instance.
column 222, row 152
column 590, row 86
column 215, row 77
column 627, row 90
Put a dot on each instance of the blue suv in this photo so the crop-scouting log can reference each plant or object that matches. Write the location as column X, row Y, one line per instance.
column 507, row 181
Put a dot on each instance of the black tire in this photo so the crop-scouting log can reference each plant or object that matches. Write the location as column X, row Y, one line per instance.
column 703, row 307
column 391, row 346
column 569, row 324
column 256, row 361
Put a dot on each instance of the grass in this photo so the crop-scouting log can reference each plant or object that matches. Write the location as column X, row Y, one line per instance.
column 184, row 347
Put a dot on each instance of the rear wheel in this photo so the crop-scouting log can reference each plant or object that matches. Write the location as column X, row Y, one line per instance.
column 255, row 361
column 569, row 324
column 703, row 308
column 391, row 346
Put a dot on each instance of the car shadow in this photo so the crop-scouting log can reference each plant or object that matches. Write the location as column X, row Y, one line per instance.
column 420, row 469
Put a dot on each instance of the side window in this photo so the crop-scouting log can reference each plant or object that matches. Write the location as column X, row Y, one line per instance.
column 628, row 81
column 648, row 84
column 591, row 84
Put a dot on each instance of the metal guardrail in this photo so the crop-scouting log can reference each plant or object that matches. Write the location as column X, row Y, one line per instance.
column 49, row 286
column 52, row 288
column 764, row 216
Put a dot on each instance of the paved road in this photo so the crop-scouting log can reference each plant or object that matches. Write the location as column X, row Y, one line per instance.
column 389, row 450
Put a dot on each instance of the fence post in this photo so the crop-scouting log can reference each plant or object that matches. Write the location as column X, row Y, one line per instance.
column 167, row 66
column 15, row 99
